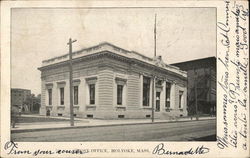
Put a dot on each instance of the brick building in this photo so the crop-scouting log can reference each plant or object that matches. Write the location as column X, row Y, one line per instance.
column 110, row 82
column 203, row 73
column 19, row 98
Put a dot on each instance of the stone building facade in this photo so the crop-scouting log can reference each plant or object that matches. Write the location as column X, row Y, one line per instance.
column 110, row 83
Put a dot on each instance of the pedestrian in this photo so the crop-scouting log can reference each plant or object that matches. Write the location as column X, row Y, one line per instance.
column 48, row 112
column 20, row 111
column 211, row 111
column 14, row 114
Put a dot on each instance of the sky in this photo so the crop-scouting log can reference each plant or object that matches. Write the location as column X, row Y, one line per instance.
column 38, row 34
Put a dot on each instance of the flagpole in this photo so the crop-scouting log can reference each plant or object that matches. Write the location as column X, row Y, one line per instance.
column 153, row 81
column 155, row 36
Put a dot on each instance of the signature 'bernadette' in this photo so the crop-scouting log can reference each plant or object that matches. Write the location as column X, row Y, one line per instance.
column 160, row 150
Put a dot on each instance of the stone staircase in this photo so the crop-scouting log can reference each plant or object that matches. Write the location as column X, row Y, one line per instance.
column 168, row 116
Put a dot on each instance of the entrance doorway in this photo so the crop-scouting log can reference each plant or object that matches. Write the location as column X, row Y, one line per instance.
column 157, row 107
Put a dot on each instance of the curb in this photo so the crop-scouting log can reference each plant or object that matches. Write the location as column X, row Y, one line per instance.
column 105, row 125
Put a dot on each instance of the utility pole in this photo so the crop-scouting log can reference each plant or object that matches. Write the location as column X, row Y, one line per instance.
column 153, row 82
column 32, row 104
column 71, row 82
column 195, row 90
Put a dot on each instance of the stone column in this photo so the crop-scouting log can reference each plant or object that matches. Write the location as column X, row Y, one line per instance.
column 105, row 88
column 141, row 90
column 81, row 95
column 133, row 91
column 114, row 94
column 42, row 109
column 124, row 95
column 185, row 102
column 172, row 96
column 163, row 97
column 86, row 90
column 150, row 93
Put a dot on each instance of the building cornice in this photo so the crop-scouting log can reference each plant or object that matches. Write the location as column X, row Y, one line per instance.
column 131, row 61
column 107, row 47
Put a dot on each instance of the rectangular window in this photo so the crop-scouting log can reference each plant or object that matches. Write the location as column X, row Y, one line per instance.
column 92, row 93
column 158, row 98
column 146, row 90
column 119, row 94
column 75, row 95
column 168, row 88
column 62, row 96
column 50, row 96
column 180, row 99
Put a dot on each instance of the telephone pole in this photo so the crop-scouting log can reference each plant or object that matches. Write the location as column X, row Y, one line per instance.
column 153, row 82
column 195, row 91
column 71, row 82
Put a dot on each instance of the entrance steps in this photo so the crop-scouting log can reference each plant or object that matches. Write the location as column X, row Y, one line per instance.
column 168, row 116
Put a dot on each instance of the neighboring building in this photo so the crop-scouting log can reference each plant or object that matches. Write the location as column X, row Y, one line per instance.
column 110, row 82
column 37, row 103
column 205, row 79
column 24, row 100
column 19, row 98
column 34, row 103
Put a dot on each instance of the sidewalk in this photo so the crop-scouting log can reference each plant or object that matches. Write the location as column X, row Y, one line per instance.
column 83, row 123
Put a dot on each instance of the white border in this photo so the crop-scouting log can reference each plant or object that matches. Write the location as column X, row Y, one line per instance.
column 5, row 85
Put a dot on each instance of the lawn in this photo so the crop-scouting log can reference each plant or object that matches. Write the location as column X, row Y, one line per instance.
column 23, row 119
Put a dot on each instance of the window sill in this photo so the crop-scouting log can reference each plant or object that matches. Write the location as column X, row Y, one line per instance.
column 91, row 105
column 120, row 106
column 61, row 107
column 168, row 109
column 146, row 107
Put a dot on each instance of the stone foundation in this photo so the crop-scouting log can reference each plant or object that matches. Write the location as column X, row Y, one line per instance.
column 114, row 114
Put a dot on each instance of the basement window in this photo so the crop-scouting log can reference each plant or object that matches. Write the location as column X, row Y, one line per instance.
column 121, row 116
column 90, row 116
column 148, row 116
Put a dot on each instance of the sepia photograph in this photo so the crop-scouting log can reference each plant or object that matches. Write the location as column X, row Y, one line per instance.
column 113, row 74
column 124, row 78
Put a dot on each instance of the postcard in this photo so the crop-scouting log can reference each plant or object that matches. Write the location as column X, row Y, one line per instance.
column 124, row 78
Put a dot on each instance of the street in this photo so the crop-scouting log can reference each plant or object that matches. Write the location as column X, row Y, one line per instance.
column 175, row 131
